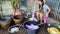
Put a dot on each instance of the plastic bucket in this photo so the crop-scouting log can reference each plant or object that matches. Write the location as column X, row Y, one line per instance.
column 5, row 22
column 18, row 19
column 28, row 30
column 16, row 27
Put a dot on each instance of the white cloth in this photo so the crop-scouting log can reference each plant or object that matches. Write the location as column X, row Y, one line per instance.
column 15, row 29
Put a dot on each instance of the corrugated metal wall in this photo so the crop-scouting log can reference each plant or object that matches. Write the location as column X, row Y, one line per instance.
column 55, row 6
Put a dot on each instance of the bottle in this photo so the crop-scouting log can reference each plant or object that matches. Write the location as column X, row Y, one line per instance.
column 49, row 25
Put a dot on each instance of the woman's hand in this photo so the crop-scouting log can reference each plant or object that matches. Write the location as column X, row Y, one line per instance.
column 18, row 12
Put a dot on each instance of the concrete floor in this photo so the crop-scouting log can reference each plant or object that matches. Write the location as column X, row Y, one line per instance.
column 42, row 30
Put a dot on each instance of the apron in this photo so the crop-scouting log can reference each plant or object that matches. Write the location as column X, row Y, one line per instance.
column 41, row 10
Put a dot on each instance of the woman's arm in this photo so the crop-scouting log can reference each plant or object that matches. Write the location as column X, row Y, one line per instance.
column 44, row 1
column 49, row 10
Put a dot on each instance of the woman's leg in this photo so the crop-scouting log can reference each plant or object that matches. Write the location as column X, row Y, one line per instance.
column 37, row 15
column 41, row 17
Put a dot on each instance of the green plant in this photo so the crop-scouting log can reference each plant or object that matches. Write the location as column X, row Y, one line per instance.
column 19, row 2
column 1, row 14
column 58, row 25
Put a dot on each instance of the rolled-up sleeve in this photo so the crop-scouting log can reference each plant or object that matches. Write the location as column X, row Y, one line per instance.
column 46, row 6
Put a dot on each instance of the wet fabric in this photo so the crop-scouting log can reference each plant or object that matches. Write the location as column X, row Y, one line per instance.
column 32, row 27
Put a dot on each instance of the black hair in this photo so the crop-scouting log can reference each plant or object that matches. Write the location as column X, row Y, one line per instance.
column 42, row 3
column 40, row 0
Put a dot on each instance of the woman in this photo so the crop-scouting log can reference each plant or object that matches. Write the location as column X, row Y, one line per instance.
column 43, row 10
